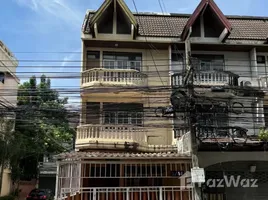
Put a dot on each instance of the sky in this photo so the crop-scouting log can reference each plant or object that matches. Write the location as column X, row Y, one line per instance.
column 45, row 35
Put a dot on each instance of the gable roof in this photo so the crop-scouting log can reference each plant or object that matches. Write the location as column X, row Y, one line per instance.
column 172, row 25
column 96, row 16
column 202, row 7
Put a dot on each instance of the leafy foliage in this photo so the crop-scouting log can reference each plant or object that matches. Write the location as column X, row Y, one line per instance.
column 42, row 126
column 263, row 134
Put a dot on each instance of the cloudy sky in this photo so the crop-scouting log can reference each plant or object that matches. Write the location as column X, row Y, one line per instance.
column 45, row 34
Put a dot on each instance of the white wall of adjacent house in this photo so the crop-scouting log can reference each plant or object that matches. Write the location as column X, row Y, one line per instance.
column 8, row 80
column 8, row 97
column 7, row 60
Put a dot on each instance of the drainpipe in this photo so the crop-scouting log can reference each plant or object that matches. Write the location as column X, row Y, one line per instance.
column 253, row 63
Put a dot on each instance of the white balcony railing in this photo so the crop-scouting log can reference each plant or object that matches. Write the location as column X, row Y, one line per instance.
column 209, row 78
column 130, row 193
column 111, row 133
column 113, row 77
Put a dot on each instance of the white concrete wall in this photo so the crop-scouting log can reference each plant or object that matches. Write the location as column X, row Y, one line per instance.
column 6, row 183
column 8, row 89
column 7, row 62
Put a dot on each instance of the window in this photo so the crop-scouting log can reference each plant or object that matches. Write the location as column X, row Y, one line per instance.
column 93, row 55
column 93, row 59
column 92, row 113
column 2, row 77
column 261, row 59
column 134, row 118
column 210, row 62
column 110, row 118
column 118, row 60
column 214, row 121
column 123, row 113
column 176, row 62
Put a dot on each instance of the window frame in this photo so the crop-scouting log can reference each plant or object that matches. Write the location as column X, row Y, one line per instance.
column 263, row 61
column 127, row 60
column 115, row 115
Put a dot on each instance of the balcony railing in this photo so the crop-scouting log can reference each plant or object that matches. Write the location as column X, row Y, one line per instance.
column 113, row 77
column 130, row 193
column 215, row 133
column 111, row 133
column 224, row 134
column 207, row 78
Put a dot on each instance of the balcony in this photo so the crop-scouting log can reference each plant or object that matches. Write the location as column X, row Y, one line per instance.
column 213, row 134
column 110, row 134
column 207, row 78
column 113, row 77
column 223, row 134
column 130, row 193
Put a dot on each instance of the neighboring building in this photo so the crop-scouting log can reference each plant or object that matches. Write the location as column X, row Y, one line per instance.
column 47, row 173
column 129, row 63
column 8, row 100
column 48, row 168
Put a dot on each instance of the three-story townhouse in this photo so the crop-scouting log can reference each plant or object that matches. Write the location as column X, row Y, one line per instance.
column 130, row 63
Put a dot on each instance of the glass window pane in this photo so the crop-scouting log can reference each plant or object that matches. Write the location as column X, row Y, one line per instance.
column 120, row 118
column 122, row 58
column 108, row 57
column 112, row 118
column 106, row 118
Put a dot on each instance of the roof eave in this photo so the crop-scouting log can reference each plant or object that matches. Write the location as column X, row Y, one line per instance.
column 97, row 14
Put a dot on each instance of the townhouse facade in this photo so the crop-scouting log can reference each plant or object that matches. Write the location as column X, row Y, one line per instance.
column 133, row 65
column 8, row 101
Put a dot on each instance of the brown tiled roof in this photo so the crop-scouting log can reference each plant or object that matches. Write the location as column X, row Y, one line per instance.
column 105, row 155
column 243, row 27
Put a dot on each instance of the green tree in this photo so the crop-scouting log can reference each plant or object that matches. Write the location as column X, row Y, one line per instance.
column 42, row 124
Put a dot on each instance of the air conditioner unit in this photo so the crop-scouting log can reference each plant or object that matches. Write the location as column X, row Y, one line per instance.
column 245, row 84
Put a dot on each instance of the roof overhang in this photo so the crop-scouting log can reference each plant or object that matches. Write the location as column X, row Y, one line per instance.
column 200, row 10
column 123, row 156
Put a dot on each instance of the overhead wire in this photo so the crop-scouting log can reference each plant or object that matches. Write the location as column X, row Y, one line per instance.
column 149, row 44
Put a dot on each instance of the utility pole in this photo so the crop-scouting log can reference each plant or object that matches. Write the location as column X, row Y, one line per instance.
column 189, row 83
